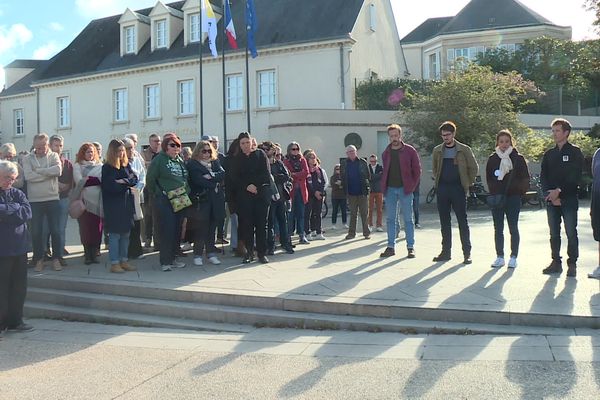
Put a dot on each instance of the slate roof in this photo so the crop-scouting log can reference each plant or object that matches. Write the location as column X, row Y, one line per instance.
column 97, row 48
column 480, row 15
column 26, row 64
column 428, row 29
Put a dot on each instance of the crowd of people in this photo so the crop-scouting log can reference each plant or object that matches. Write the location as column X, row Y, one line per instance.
column 171, row 199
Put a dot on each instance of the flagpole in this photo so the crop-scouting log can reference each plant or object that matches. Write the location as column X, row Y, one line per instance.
column 224, row 83
column 200, row 82
column 247, row 77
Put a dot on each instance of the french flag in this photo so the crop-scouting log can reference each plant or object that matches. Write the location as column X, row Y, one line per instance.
column 229, row 28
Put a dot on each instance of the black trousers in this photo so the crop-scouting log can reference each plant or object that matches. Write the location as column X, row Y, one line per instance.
column 253, row 213
column 13, row 288
column 135, row 242
column 452, row 197
column 278, row 212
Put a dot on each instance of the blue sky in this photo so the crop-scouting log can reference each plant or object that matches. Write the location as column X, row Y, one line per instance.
column 39, row 29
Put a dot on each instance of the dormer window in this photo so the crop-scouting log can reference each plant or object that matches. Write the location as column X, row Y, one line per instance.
column 194, row 28
column 130, row 42
column 161, row 33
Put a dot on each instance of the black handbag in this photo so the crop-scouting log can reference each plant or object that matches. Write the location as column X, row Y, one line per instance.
column 498, row 201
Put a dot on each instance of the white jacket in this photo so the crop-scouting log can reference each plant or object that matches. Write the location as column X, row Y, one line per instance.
column 41, row 175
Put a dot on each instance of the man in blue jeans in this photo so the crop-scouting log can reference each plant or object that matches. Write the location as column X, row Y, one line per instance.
column 401, row 175
column 561, row 172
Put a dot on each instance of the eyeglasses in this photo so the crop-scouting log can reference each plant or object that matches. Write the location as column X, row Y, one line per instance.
column 295, row 149
column 206, row 151
column 174, row 145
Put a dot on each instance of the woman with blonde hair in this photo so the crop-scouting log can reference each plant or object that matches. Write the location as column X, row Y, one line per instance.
column 8, row 152
column 208, row 199
column 508, row 176
column 87, row 173
column 117, row 180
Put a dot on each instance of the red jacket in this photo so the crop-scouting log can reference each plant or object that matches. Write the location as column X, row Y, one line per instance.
column 410, row 168
column 299, row 178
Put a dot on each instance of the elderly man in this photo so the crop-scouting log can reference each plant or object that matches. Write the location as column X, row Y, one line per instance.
column 42, row 167
column 148, row 155
column 15, row 211
column 355, row 181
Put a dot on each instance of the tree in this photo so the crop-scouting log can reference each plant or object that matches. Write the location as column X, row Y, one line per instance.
column 480, row 101
column 594, row 5
column 388, row 94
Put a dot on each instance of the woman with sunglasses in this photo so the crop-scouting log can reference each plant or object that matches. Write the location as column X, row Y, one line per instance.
column 117, row 180
column 206, row 188
column 166, row 173
column 298, row 167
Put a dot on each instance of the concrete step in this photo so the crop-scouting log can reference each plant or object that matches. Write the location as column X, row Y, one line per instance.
column 308, row 304
column 87, row 307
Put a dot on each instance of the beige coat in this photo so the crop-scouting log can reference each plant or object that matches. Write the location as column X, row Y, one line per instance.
column 467, row 165
column 41, row 175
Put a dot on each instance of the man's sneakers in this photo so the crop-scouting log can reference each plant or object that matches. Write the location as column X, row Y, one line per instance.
column 388, row 252
column 498, row 263
column 443, row 256
column 379, row 229
column 175, row 264
column 555, row 267
column 411, row 253
column 467, row 259
column 595, row 274
column 319, row 236
column 198, row 261
column 512, row 262
column 304, row 240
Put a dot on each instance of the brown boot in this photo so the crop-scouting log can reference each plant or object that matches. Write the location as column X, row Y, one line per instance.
column 39, row 266
column 116, row 268
column 56, row 265
column 127, row 267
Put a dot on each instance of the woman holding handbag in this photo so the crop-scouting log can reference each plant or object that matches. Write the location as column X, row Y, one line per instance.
column 87, row 173
column 208, row 200
column 117, row 180
column 167, row 182
column 507, row 178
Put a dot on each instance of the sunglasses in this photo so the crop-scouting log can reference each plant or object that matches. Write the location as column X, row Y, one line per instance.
column 173, row 145
column 295, row 149
column 206, row 151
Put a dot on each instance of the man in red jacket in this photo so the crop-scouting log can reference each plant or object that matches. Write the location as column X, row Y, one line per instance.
column 401, row 175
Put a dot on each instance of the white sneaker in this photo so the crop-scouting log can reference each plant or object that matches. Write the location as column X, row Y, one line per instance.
column 379, row 229
column 320, row 237
column 308, row 238
column 333, row 227
column 346, row 226
column 178, row 264
column 512, row 262
column 167, row 268
column 186, row 246
column 214, row 260
column 198, row 261
column 498, row 263
column 313, row 234
column 595, row 274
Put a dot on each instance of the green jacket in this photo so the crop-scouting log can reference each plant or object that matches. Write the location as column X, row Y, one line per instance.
column 467, row 165
column 166, row 174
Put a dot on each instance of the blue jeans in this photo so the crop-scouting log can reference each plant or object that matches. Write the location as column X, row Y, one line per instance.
column 415, row 205
column 169, row 224
column 339, row 204
column 393, row 196
column 296, row 217
column 568, row 212
column 41, row 211
column 118, row 243
column 511, row 209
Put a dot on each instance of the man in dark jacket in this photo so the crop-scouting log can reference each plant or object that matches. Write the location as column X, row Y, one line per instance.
column 355, row 180
column 15, row 212
column 561, row 172
column 375, row 193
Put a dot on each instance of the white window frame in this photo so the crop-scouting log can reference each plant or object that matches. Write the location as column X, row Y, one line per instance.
column 194, row 28
column 120, row 105
column 434, row 71
column 235, row 92
column 186, row 95
column 267, row 88
column 19, row 119
column 372, row 17
column 129, row 38
column 63, row 105
column 160, row 30
column 152, row 101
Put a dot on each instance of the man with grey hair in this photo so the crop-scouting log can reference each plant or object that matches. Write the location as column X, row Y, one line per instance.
column 15, row 211
column 355, row 175
column 148, row 154
column 42, row 167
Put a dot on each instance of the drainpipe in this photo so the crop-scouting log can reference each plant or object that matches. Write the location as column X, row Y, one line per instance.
column 37, row 109
column 342, row 80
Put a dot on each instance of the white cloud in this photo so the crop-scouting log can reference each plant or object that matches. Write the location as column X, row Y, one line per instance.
column 15, row 36
column 103, row 8
column 46, row 51
column 55, row 26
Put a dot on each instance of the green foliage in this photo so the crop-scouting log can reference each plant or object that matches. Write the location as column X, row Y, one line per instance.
column 594, row 5
column 478, row 100
column 533, row 144
column 388, row 94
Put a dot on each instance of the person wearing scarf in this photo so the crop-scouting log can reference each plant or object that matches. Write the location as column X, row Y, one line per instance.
column 316, row 183
column 503, row 163
column 298, row 167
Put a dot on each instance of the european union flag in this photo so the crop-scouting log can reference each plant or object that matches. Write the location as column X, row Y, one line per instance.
column 251, row 26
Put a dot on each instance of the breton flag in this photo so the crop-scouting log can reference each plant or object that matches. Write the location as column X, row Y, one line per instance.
column 251, row 27
column 229, row 28
column 209, row 26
